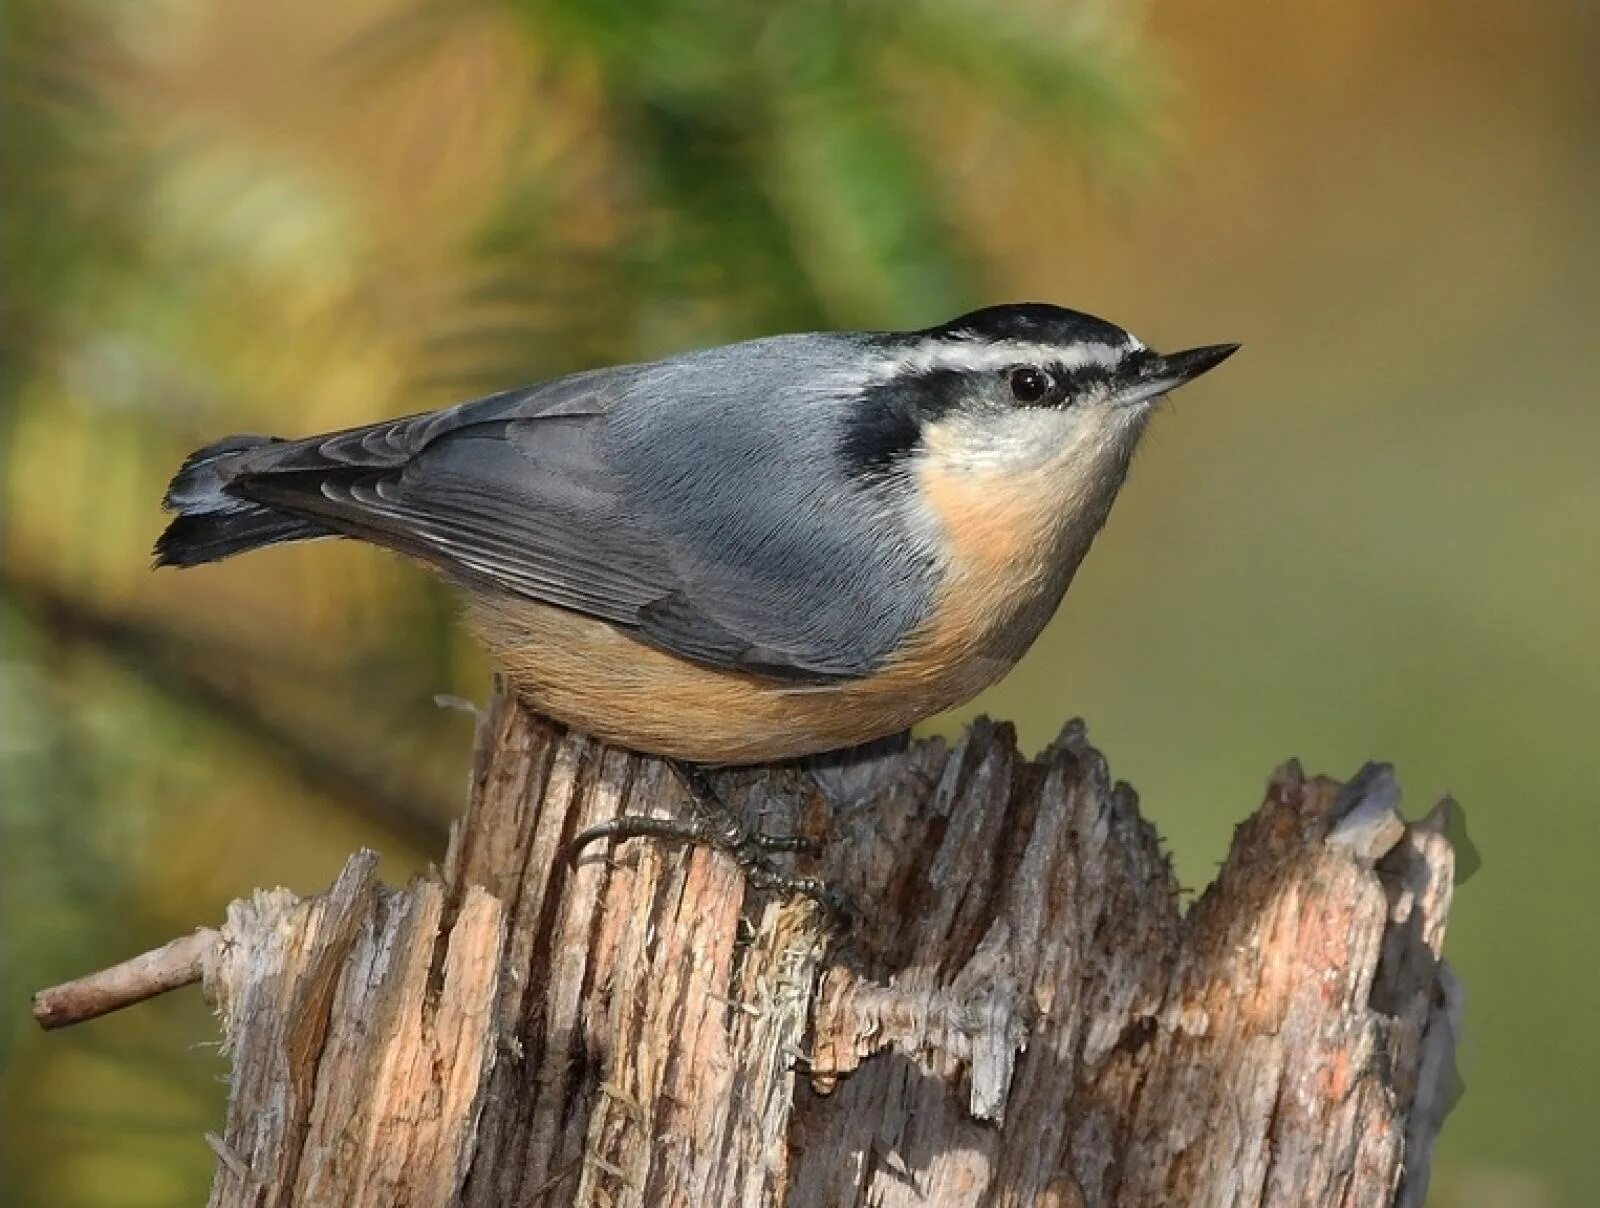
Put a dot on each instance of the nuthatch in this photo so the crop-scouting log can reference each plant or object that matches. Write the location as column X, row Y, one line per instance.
column 771, row 549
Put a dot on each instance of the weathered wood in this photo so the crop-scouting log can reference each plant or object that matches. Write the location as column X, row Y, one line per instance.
column 361, row 1026
column 1022, row 1013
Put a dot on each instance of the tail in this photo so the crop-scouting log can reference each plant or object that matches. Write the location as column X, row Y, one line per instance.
column 213, row 522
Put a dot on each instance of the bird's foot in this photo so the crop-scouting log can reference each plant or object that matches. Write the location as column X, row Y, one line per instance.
column 716, row 826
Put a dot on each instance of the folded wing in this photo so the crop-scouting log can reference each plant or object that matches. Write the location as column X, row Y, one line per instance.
column 514, row 493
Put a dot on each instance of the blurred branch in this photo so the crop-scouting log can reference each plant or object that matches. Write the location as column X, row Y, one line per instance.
column 174, row 665
column 758, row 168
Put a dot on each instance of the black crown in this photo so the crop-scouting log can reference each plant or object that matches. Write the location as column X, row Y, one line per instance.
column 1037, row 322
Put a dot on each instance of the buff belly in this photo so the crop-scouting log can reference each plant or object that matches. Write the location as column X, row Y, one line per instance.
column 595, row 678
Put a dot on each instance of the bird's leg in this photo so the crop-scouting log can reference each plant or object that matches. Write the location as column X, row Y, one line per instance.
column 717, row 826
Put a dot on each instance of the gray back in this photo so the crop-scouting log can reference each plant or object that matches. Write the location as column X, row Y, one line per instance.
column 734, row 456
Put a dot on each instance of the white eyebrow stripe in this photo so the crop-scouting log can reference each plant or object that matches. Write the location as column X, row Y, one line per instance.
column 978, row 356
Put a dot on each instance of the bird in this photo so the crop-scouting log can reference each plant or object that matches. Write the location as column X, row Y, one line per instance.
column 771, row 549
column 774, row 548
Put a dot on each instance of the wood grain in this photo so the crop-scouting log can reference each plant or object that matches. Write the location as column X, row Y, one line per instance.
column 1023, row 1011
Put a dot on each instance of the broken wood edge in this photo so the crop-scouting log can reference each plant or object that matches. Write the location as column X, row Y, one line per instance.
column 365, row 1012
column 977, row 1023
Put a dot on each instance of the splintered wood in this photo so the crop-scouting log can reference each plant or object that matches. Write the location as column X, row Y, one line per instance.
column 361, row 1027
column 1021, row 1012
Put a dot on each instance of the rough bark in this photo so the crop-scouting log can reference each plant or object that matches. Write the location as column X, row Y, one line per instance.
column 1021, row 1013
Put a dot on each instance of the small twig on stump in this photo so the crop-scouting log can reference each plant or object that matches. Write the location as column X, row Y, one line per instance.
column 180, row 963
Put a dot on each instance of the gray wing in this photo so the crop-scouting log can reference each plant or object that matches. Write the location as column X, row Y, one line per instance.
column 518, row 492
column 506, row 491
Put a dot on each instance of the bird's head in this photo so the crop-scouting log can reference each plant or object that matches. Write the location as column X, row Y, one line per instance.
column 1010, row 389
column 1010, row 428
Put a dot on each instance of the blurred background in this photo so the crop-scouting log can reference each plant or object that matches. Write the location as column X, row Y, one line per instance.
column 1373, row 536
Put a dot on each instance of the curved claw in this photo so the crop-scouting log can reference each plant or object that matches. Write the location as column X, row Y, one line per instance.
column 640, row 826
column 715, row 826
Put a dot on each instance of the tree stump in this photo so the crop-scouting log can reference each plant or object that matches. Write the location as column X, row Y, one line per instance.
column 1020, row 1013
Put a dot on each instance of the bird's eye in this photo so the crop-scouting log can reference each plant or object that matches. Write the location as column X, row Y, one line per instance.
column 1028, row 385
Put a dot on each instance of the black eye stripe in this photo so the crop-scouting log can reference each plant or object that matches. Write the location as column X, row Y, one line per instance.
column 884, row 427
column 1080, row 378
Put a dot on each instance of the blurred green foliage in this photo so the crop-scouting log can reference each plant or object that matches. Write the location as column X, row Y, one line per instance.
column 1374, row 537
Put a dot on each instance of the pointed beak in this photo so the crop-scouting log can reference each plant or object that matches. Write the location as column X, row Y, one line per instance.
column 1149, row 375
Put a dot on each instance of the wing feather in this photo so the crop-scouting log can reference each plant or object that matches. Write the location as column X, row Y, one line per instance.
column 514, row 492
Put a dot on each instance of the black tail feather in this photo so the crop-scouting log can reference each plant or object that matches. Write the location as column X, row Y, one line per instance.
column 192, row 539
column 215, row 523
